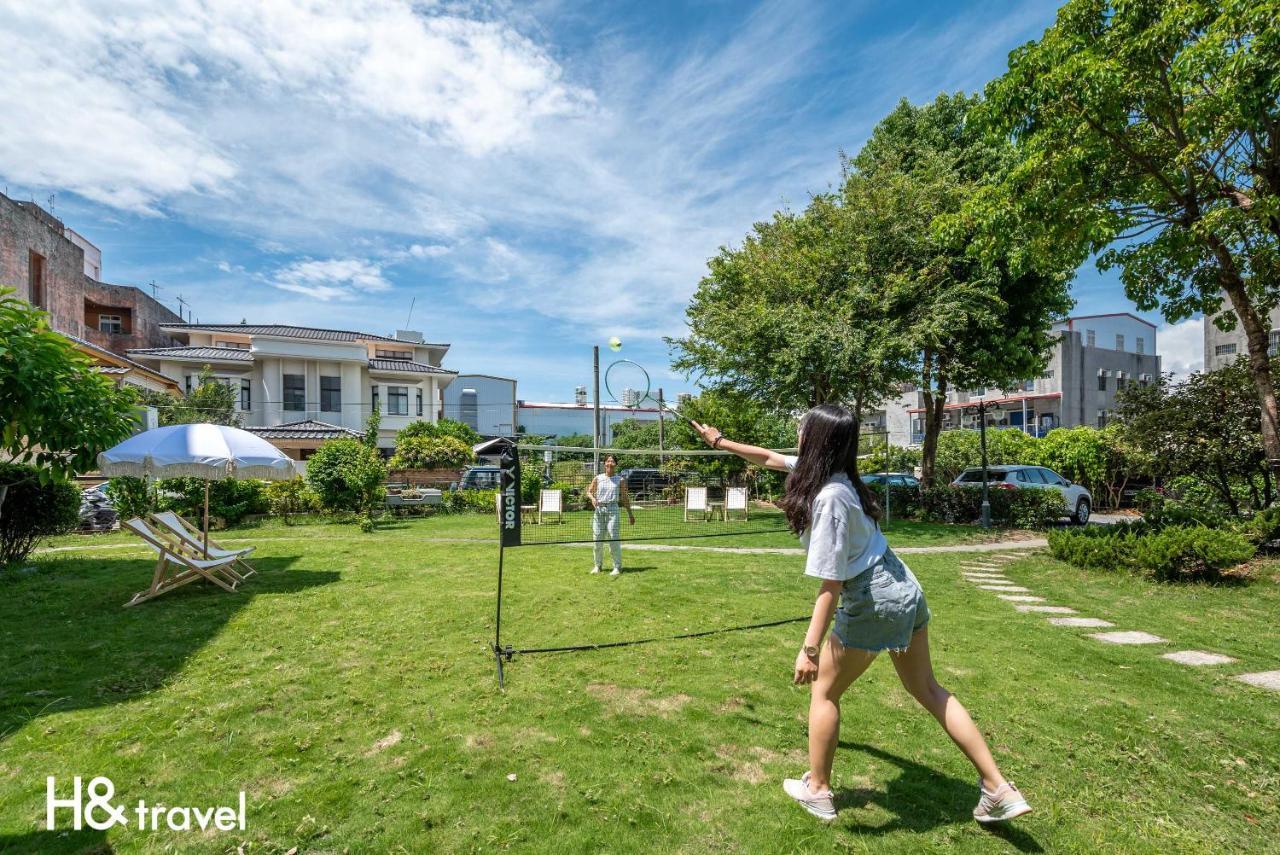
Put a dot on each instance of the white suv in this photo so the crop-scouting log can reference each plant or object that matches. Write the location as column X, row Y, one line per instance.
column 1078, row 500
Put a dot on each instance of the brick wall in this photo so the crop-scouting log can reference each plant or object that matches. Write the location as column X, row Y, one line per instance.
column 141, row 314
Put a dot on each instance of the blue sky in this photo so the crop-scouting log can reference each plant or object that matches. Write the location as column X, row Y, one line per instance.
column 536, row 177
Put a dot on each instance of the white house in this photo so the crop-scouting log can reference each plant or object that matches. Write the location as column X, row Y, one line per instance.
column 322, row 382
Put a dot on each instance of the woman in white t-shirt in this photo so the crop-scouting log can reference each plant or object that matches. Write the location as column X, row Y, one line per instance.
column 881, row 607
column 608, row 492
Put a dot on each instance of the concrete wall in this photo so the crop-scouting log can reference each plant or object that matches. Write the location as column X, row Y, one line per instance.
column 495, row 403
column 1232, row 344
column 1082, row 398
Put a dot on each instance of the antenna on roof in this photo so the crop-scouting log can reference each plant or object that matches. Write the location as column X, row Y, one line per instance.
column 52, row 199
column 155, row 289
column 411, row 304
column 181, row 305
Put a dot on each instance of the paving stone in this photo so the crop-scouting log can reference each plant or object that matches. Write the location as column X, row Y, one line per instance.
column 1022, row 598
column 1197, row 657
column 1262, row 679
column 1130, row 637
column 1053, row 610
column 999, row 576
column 981, row 567
column 1093, row 622
column 1008, row 589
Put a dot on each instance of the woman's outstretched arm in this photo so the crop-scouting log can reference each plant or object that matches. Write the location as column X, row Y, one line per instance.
column 751, row 453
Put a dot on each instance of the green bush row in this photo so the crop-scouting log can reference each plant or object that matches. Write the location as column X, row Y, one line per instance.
column 1175, row 553
column 229, row 501
column 1015, row 508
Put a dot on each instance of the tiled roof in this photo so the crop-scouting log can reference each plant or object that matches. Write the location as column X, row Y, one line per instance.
column 406, row 365
column 224, row 354
column 306, row 429
column 289, row 331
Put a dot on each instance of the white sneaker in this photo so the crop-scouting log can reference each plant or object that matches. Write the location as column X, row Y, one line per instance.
column 822, row 805
column 595, row 569
column 617, row 571
column 1004, row 804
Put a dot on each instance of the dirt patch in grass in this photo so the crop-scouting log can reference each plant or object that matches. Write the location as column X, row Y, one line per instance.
column 756, row 764
column 623, row 701
column 478, row 741
column 384, row 743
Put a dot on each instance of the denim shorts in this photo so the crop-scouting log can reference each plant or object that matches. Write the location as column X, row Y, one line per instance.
column 881, row 607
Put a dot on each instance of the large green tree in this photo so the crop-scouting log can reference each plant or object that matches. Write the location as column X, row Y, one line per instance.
column 976, row 319
column 56, row 411
column 1149, row 131
column 211, row 401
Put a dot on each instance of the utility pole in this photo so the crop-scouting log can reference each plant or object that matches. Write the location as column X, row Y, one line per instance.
column 595, row 372
column 982, row 437
column 662, row 433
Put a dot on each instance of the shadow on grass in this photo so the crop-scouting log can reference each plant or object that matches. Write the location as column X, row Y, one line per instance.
column 84, row 842
column 922, row 798
column 67, row 643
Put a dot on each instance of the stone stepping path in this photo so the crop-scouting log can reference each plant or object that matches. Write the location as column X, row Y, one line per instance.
column 979, row 577
column 1130, row 637
column 1197, row 657
column 1008, row 589
column 1022, row 598
column 1051, row 610
column 1262, row 679
column 1090, row 622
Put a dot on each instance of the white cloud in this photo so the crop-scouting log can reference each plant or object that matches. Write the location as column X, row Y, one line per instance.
column 1181, row 347
column 418, row 250
column 332, row 279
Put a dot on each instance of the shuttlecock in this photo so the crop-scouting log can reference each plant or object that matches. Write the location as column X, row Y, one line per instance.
column 615, row 343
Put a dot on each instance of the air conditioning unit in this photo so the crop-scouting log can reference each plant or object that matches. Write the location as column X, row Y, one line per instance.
column 580, row 395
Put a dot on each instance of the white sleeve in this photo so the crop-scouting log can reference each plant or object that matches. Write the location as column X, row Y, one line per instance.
column 826, row 558
column 789, row 461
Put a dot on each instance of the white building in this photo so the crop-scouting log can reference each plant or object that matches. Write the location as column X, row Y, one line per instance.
column 487, row 403
column 557, row 419
column 328, row 379
column 1096, row 356
column 1222, row 348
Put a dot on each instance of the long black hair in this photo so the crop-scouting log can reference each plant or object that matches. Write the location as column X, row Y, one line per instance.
column 828, row 445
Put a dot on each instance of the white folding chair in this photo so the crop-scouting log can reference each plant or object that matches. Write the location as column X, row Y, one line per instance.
column 735, row 499
column 551, row 502
column 695, row 501
column 192, row 537
column 176, row 566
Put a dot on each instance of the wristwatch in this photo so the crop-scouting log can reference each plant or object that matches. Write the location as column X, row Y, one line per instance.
column 810, row 651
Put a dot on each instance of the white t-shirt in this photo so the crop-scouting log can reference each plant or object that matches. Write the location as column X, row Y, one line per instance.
column 841, row 541
column 607, row 488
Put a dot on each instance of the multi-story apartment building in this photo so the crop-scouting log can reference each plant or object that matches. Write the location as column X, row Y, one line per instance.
column 487, row 403
column 304, row 385
column 1221, row 348
column 1096, row 356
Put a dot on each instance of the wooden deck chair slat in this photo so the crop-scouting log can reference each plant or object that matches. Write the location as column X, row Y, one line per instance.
column 171, row 521
column 172, row 555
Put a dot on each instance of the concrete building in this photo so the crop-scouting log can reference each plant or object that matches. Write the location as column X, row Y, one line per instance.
column 1096, row 356
column 487, row 403
column 58, row 270
column 1221, row 348
column 559, row 419
column 317, row 383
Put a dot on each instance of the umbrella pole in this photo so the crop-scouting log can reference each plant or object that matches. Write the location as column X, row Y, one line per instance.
column 206, row 519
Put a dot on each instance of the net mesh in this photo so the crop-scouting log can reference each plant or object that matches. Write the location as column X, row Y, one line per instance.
column 566, row 496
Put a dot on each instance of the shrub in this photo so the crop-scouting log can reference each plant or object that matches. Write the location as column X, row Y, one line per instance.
column 1169, row 554
column 470, row 501
column 32, row 510
column 347, row 475
column 291, row 497
column 904, row 502
column 132, row 497
column 230, row 500
column 422, row 452
column 460, row 431
column 1163, row 510
column 1018, row 508
column 1263, row 529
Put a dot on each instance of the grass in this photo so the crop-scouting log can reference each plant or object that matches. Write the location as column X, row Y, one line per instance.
column 350, row 692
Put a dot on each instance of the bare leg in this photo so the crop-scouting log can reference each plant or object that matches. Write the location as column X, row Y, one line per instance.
column 916, row 672
column 838, row 667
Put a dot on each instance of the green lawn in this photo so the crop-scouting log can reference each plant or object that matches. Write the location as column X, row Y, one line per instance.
column 350, row 692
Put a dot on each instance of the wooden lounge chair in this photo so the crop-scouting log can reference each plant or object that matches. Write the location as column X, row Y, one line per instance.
column 735, row 499
column 551, row 502
column 695, row 502
column 170, row 521
column 177, row 565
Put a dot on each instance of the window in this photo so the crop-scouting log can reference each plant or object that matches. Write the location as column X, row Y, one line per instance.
column 1052, row 478
column 110, row 324
column 1102, row 381
column 978, row 392
column 35, row 278
column 397, row 400
column 1273, row 343
column 1102, row 418
column 1091, row 338
column 419, row 403
column 295, row 392
column 1120, row 381
column 188, row 384
column 974, row 476
column 1028, row 385
column 1224, row 350
column 330, row 394
column 246, row 395
column 1141, row 346
column 1048, row 375
column 234, row 345
column 469, row 404
column 1119, row 341
column 373, row 400
column 404, row 355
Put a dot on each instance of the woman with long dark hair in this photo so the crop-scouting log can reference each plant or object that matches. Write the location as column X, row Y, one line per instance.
column 876, row 603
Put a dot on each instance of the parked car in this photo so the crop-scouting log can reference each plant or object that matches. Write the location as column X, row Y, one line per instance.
column 895, row 479
column 1077, row 499
column 646, row 484
column 480, row 478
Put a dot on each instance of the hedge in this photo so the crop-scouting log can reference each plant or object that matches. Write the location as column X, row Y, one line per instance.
column 1015, row 508
column 32, row 510
column 1175, row 553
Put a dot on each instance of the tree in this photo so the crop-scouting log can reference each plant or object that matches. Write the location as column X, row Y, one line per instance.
column 211, row 401
column 371, row 426
column 444, row 427
column 1150, row 132
column 431, row 452
column 347, row 475
column 56, row 412
column 976, row 319
column 35, row 509
column 809, row 309
column 1205, row 427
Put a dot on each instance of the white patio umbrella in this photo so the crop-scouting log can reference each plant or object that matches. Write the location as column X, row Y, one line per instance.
column 210, row 452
